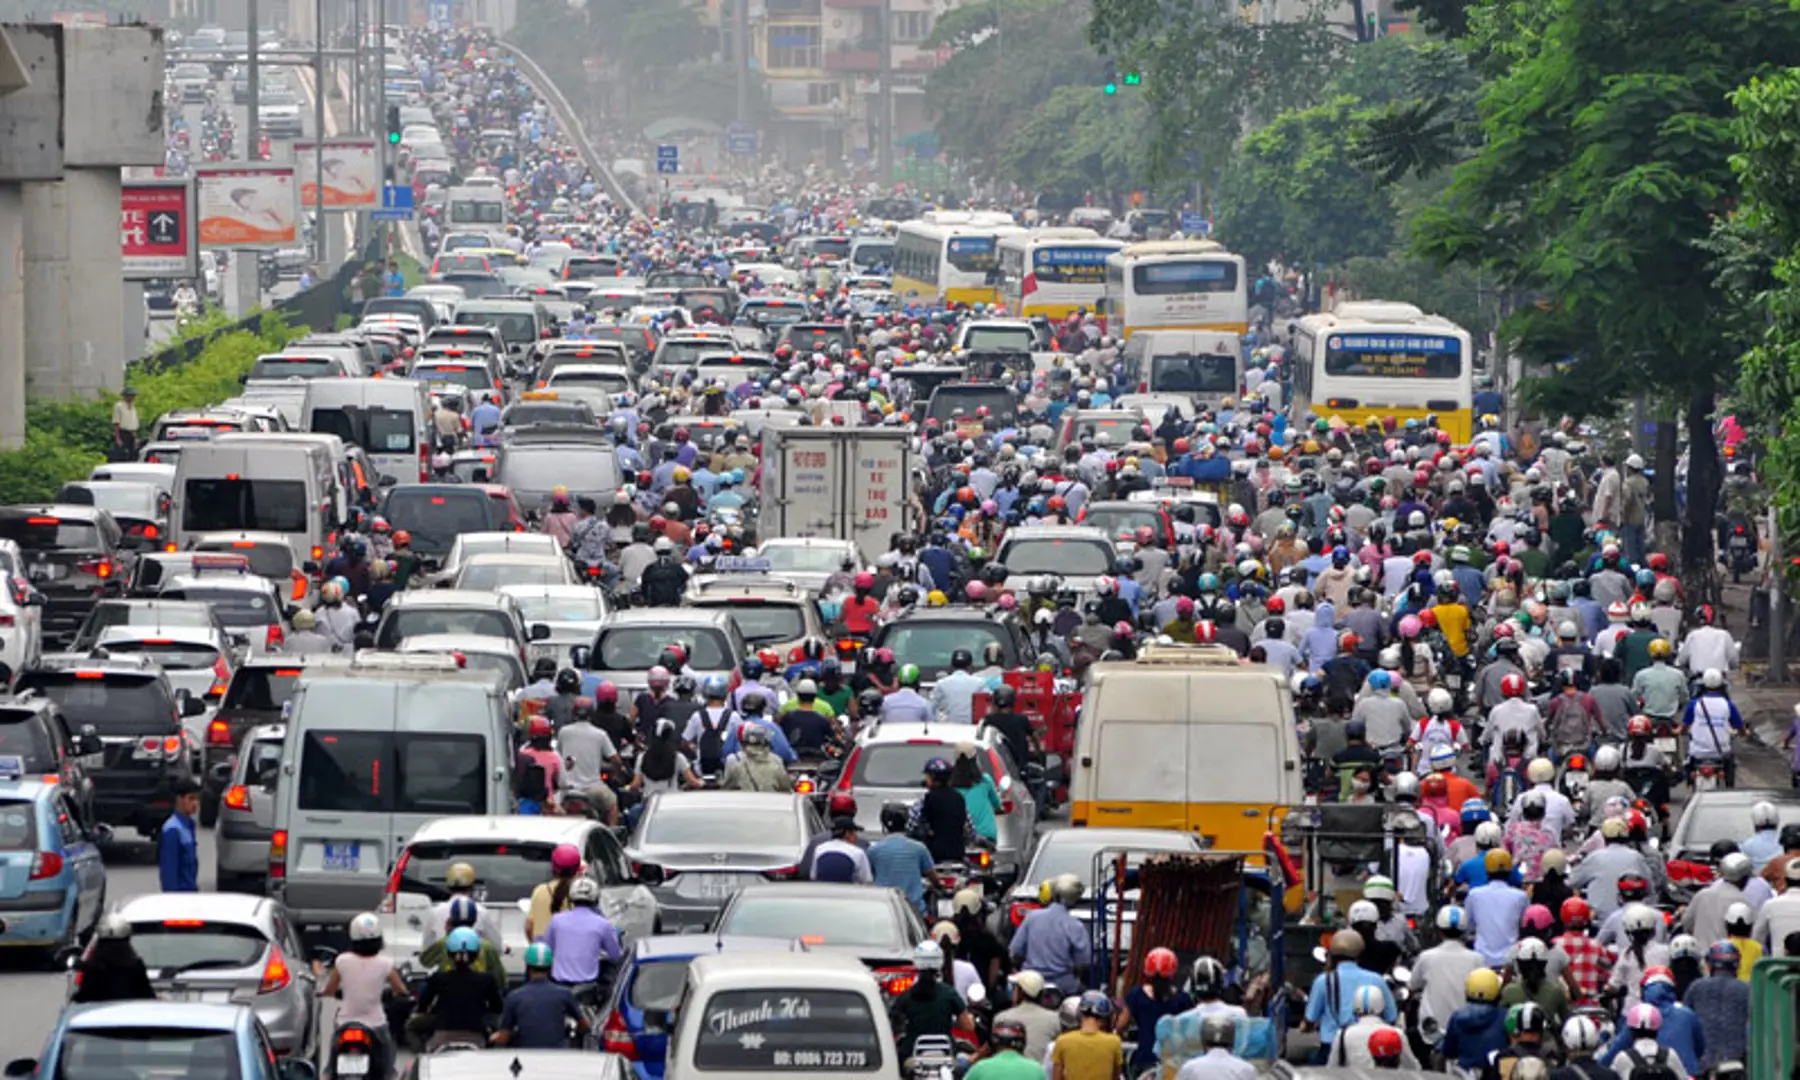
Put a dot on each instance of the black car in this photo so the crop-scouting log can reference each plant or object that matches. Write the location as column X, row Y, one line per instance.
column 35, row 731
column 74, row 555
column 139, row 718
column 929, row 637
column 436, row 514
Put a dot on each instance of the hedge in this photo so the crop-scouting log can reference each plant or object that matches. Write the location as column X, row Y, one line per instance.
column 64, row 440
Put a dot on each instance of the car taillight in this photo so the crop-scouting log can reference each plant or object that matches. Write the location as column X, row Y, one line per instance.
column 806, row 785
column 8, row 620
column 1016, row 912
column 782, row 873
column 221, row 678
column 981, row 859
column 616, row 1038
column 276, row 975
column 100, row 568
column 218, row 733
column 237, row 797
column 46, row 864
column 424, row 463
column 276, row 638
column 278, row 854
column 896, row 980
column 171, row 746
column 393, row 885
column 151, row 747
column 298, row 593
column 317, row 554
column 844, row 783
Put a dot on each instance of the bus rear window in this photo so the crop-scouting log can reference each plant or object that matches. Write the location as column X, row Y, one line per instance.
column 1187, row 373
column 1393, row 356
column 1164, row 279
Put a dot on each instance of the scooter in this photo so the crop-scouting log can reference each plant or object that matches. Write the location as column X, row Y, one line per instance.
column 357, row 1052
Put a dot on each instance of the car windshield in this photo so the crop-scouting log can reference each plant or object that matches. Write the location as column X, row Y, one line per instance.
column 23, row 736
column 658, row 985
column 851, row 922
column 171, row 946
column 113, row 704
column 378, row 431
column 1055, row 555
column 468, row 376
column 902, row 765
column 1122, row 522
column 436, row 520
column 261, row 688
column 486, row 576
column 231, row 505
column 784, row 1030
column 579, row 468
column 947, row 401
column 638, row 648
column 1710, row 820
column 1077, row 856
column 688, row 824
column 148, row 1053
column 234, row 607
column 121, row 499
column 516, row 327
column 413, row 772
column 105, row 616
column 763, row 624
column 273, row 561
column 18, row 818
column 561, row 609
column 170, row 655
column 505, row 873
column 420, row 621
column 296, row 367
column 803, row 559
column 999, row 338
column 931, row 644
column 1187, row 373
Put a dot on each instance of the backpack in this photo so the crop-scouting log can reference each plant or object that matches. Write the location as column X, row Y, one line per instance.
column 711, row 744
column 1656, row 1068
column 530, row 781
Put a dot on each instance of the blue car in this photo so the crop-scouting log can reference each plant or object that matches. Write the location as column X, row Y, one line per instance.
column 648, row 986
column 52, row 883
column 186, row 1039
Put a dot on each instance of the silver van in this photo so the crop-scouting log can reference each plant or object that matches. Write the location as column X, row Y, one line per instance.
column 375, row 750
column 1205, row 365
column 268, row 484
column 389, row 418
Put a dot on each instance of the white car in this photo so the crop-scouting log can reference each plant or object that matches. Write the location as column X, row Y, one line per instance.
column 572, row 612
column 197, row 659
column 482, row 573
column 22, row 612
column 468, row 545
column 248, row 605
column 474, row 653
column 807, row 561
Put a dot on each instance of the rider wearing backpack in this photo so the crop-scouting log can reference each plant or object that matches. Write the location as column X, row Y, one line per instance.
column 538, row 771
column 1644, row 1057
column 708, row 728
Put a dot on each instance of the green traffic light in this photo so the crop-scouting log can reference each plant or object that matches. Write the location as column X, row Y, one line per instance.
column 394, row 137
column 1134, row 78
column 1112, row 88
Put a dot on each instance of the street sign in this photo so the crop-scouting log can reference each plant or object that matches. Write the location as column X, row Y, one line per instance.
column 1195, row 224
column 156, row 229
column 396, row 203
column 437, row 12
column 740, row 139
column 668, row 158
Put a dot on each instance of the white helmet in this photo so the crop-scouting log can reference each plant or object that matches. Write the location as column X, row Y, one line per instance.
column 1451, row 917
column 1488, row 835
column 1580, row 1034
column 1738, row 914
column 1712, row 678
column 1439, row 701
column 1764, row 815
column 1639, row 918
column 584, row 890
column 1606, row 760
column 1364, row 911
column 1369, row 1000
column 928, row 955
column 365, row 927
column 1406, row 786
column 112, row 927
column 1735, row 867
column 1540, row 771
column 1685, row 947
column 1443, row 757
column 1380, row 887
column 1531, row 950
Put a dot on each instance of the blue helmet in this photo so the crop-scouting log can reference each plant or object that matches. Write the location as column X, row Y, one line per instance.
column 462, row 940
column 752, row 668
column 716, row 686
column 1474, row 812
column 1380, row 680
column 463, row 912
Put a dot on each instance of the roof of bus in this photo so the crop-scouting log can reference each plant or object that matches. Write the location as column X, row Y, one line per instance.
column 930, row 231
column 1173, row 247
column 1378, row 316
column 1060, row 235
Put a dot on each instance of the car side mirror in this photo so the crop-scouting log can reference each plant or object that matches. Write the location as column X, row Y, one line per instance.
column 102, row 835
column 387, row 481
column 310, row 567
column 21, row 1067
column 298, row 1069
column 33, row 598
column 540, row 631
column 192, row 706
column 650, row 874
column 220, row 773
column 87, row 743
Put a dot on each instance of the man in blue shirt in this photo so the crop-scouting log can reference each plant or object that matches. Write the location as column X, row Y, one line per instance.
column 581, row 937
column 1328, row 1006
column 536, row 1014
column 178, row 845
column 1053, row 942
column 898, row 861
column 395, row 280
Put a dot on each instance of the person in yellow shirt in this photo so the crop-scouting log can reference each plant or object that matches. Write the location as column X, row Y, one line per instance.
column 1091, row 1051
column 1737, row 931
column 552, row 897
column 1453, row 619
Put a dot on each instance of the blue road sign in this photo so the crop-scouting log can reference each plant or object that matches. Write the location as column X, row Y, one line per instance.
column 438, row 12
column 396, row 203
column 740, row 140
column 668, row 158
column 1194, row 223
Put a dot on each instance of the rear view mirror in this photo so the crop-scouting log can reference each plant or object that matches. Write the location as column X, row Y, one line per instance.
column 192, row 706
column 220, row 773
column 579, row 656
column 651, row 874
column 87, row 743
column 388, row 481
column 540, row 631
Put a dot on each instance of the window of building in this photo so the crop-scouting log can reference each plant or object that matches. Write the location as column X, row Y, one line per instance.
column 822, row 93
column 911, row 25
column 793, row 46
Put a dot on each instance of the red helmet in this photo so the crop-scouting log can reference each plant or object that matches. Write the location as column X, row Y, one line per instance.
column 1385, row 1043
column 1181, row 446
column 1057, row 503
column 1428, row 619
column 1422, row 478
column 1348, row 641
column 565, row 859
column 1206, row 632
column 865, row 580
column 1276, row 605
column 1659, row 562
column 1421, row 558
column 538, row 727
column 658, row 523
column 1513, row 685
column 681, row 434
column 771, row 660
column 1576, row 913
column 1184, row 607
column 1161, row 963
column 1639, row 725
column 1504, row 630
column 1144, row 535
column 1434, row 785
column 606, row 694
column 1501, row 547
column 842, row 802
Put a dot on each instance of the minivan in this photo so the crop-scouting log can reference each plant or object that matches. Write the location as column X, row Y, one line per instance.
column 389, row 418
column 1207, row 365
column 1186, row 737
column 745, row 1014
column 375, row 750
column 284, row 485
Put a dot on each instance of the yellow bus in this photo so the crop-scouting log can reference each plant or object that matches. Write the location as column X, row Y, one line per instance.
column 1384, row 359
column 1176, row 285
column 1054, row 272
column 950, row 258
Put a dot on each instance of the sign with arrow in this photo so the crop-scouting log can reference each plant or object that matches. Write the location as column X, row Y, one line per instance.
column 157, row 229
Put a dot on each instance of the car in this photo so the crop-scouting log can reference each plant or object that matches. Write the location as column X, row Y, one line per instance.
column 470, row 544
column 473, row 653
column 35, row 731
column 54, row 890
column 700, row 847
column 1078, row 555
column 545, row 407
column 249, row 606
column 436, row 514
column 647, row 988
column 929, row 637
column 887, row 764
column 1121, row 518
column 537, row 460
column 140, row 508
column 110, row 615
column 1711, row 816
column 492, row 1063
column 21, row 611
column 876, row 926
column 229, row 946
column 197, row 659
column 769, row 612
column 511, row 857
column 190, row 1039
column 1073, row 851
column 808, row 561
column 629, row 643
column 246, row 818
column 141, row 720
column 74, row 555
column 594, row 385
column 572, row 612
column 482, row 573
column 259, row 692
column 415, row 613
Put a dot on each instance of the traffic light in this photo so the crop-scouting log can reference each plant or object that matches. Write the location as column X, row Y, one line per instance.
column 1134, row 78
column 393, row 125
column 1112, row 79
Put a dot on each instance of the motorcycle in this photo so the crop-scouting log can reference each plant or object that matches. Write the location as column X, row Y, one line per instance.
column 933, row 1058
column 1574, row 782
column 1740, row 551
column 356, row 1052
column 1707, row 776
column 1667, row 739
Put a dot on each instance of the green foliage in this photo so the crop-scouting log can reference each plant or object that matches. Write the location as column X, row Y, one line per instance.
column 1078, row 140
column 1464, row 295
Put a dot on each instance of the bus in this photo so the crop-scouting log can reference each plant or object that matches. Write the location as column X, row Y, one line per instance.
column 1052, row 272
column 476, row 209
column 1383, row 359
column 1175, row 285
column 944, row 259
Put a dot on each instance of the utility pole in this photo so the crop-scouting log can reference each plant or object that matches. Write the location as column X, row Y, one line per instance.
column 382, row 147
column 359, row 99
column 884, row 147
column 253, row 110
column 321, row 78
column 740, row 11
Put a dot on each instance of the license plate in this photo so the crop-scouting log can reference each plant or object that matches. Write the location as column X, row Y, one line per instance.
column 47, row 571
column 946, row 908
column 343, row 856
column 211, row 997
column 352, row 1065
column 709, row 886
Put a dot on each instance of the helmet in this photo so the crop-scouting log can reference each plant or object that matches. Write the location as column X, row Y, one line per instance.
column 1639, row 725
column 909, row 675
column 1659, row 647
column 1526, row 1019
column 1218, row 1029
column 1513, row 685
column 894, row 816
column 1576, row 913
column 928, row 955
column 538, row 957
column 1632, row 887
column 112, row 927
column 1363, row 911
column 1406, row 785
column 1161, row 963
column 1580, row 1034
column 538, row 727
column 1008, row 1035
column 1536, row 917
column 1735, row 867
column 1764, row 816
column 1450, row 918
column 1369, row 1000
column 1096, row 1004
column 1443, row 755
column 606, row 694
column 1738, row 914
column 1541, row 770
column 565, row 859
column 715, row 686
column 1482, row 984
column 462, row 941
column 460, row 876
column 937, row 767
column 365, row 927
column 463, row 912
column 1488, row 836
column 568, row 681
column 1531, row 951
column 1207, row 979
column 1723, row 956
column 1643, row 1017
column 1347, row 944
column 1068, row 1014
column 1606, row 760
column 585, row 890
column 1385, row 1042
column 1380, row 888
column 658, row 677
column 1475, row 811
column 1712, row 678
column 1640, row 918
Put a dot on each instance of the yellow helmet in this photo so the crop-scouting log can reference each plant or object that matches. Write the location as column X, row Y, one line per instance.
column 1659, row 648
column 1483, row 984
column 682, row 475
column 460, row 876
column 936, row 598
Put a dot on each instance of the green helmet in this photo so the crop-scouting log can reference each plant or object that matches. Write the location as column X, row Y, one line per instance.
column 538, row 957
column 1321, row 426
column 909, row 675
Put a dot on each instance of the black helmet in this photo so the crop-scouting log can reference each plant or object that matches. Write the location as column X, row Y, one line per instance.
column 869, row 702
column 813, row 649
column 994, row 573
column 893, row 816
column 1007, row 1035
column 568, row 681
column 753, row 705
column 1004, row 696
column 961, row 659
column 544, row 668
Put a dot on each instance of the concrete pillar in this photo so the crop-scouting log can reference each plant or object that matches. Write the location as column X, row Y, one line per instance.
column 337, row 248
column 12, row 317
column 136, row 338
column 247, row 275
column 74, row 325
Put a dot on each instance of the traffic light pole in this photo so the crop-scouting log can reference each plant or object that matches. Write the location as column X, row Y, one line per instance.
column 381, row 111
column 321, row 78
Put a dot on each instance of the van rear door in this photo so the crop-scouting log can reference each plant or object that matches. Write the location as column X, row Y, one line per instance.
column 1239, row 765
column 1141, row 752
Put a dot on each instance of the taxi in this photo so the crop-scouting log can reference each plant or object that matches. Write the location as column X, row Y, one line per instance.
column 52, row 883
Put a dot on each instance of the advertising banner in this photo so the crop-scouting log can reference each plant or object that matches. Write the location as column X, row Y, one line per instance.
column 156, row 229
column 248, row 206
column 352, row 174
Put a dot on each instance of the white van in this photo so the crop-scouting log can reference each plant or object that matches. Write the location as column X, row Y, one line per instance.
column 278, row 485
column 389, row 418
column 1186, row 737
column 746, row 1014
column 1206, row 365
column 375, row 750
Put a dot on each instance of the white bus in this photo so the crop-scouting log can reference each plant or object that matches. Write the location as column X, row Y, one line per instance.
column 1053, row 272
column 949, row 258
column 1175, row 285
column 1377, row 358
column 475, row 208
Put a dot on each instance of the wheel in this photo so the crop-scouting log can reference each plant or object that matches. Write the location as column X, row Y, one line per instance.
column 52, row 958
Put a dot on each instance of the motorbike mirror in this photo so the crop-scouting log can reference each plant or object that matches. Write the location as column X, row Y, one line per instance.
column 525, row 905
column 297, row 1069
column 540, row 631
column 1318, row 953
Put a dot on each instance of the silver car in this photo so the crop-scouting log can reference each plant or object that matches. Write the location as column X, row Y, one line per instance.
column 630, row 643
column 227, row 948
column 247, row 812
column 695, row 849
column 888, row 765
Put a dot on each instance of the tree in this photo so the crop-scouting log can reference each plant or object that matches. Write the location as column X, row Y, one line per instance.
column 1604, row 164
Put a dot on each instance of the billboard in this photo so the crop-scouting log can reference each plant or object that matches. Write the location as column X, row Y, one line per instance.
column 156, row 229
column 352, row 174
column 248, row 206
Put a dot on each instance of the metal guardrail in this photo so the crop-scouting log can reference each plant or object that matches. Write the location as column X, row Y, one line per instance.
column 571, row 124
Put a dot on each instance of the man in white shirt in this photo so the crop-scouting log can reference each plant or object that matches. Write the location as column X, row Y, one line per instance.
column 1440, row 974
column 1780, row 917
column 841, row 858
column 1707, row 646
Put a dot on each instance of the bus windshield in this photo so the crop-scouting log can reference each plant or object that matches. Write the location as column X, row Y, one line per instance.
column 1163, row 279
column 1397, row 356
column 477, row 212
column 973, row 254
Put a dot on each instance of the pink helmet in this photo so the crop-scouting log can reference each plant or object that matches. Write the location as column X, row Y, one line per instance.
column 565, row 859
column 1643, row 1017
column 1184, row 607
column 1007, row 601
column 1536, row 917
column 977, row 591
column 990, row 508
column 658, row 678
column 1410, row 626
